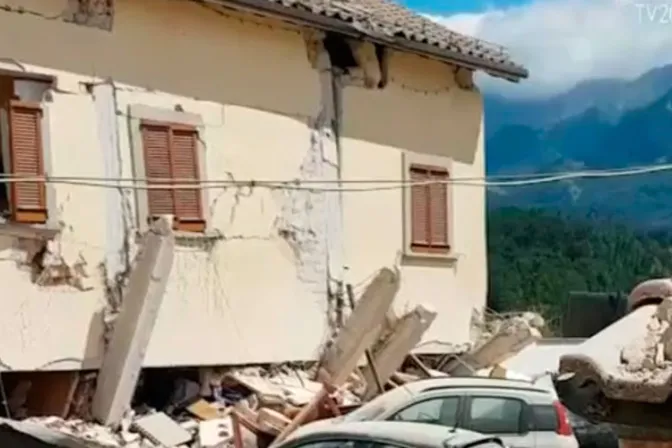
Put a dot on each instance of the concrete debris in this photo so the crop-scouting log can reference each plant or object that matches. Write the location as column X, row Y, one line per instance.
column 217, row 407
column 162, row 430
column 500, row 338
column 81, row 430
column 632, row 358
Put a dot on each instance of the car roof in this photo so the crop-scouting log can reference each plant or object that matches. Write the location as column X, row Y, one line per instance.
column 406, row 433
column 415, row 387
column 392, row 398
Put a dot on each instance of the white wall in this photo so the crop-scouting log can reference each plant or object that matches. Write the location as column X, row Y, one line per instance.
column 258, row 293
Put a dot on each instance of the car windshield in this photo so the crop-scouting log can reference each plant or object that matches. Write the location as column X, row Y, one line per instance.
column 379, row 405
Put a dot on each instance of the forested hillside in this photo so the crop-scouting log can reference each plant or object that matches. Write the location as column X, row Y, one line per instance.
column 536, row 257
column 601, row 124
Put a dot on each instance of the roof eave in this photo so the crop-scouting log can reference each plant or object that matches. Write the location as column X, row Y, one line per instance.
column 324, row 23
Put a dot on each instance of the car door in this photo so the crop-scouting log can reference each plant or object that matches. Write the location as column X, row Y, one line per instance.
column 503, row 416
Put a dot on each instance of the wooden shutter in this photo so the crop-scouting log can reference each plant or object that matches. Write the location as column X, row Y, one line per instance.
column 171, row 158
column 419, row 208
column 184, row 147
column 156, row 143
column 429, row 210
column 28, row 199
column 438, row 205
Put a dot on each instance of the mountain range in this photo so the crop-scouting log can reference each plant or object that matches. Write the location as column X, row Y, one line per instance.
column 598, row 124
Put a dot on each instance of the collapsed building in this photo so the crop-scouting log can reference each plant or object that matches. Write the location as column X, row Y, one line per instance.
column 247, row 133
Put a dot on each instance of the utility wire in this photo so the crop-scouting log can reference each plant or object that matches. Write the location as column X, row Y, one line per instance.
column 325, row 185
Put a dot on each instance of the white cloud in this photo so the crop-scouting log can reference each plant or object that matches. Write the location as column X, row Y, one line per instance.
column 563, row 42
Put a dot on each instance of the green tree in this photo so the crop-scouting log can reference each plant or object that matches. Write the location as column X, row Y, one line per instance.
column 537, row 257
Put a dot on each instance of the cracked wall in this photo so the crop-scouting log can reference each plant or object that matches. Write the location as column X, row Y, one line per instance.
column 254, row 289
column 266, row 250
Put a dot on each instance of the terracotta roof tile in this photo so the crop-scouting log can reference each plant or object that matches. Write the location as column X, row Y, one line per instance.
column 387, row 19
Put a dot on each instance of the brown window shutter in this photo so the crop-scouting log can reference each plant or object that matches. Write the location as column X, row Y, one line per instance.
column 184, row 147
column 171, row 157
column 429, row 210
column 419, row 208
column 28, row 199
column 156, row 143
column 439, row 211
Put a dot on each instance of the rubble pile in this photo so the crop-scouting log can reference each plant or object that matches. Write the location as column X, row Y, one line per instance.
column 653, row 351
column 254, row 406
column 488, row 324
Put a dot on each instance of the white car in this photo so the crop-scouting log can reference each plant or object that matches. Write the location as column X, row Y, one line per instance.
column 386, row 435
column 520, row 413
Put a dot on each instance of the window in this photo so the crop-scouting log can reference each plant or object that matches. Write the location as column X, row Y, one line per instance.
column 171, row 158
column 429, row 210
column 22, row 150
column 493, row 415
column 544, row 418
column 438, row 411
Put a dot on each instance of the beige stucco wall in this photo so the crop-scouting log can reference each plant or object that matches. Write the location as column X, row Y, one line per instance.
column 253, row 295
column 421, row 112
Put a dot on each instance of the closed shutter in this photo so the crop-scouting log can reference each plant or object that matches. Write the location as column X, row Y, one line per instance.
column 184, row 147
column 171, row 158
column 156, row 142
column 429, row 210
column 419, row 209
column 28, row 199
column 439, row 210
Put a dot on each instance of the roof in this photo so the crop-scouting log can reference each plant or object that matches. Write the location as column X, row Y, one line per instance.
column 388, row 23
column 471, row 381
column 407, row 433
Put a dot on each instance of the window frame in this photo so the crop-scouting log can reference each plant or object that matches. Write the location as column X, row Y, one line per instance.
column 31, row 218
column 436, row 163
column 139, row 114
column 458, row 414
column 523, row 419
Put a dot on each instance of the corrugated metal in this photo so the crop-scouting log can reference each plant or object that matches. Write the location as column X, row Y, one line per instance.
column 28, row 198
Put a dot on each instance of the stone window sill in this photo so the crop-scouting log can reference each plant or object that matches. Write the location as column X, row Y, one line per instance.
column 33, row 231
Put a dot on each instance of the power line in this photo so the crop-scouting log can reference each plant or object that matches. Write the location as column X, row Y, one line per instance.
column 326, row 185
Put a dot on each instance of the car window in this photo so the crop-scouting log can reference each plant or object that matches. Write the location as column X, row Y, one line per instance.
column 544, row 418
column 344, row 444
column 438, row 411
column 495, row 415
column 379, row 405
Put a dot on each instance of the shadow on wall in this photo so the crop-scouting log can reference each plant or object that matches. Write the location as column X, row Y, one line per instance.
column 421, row 110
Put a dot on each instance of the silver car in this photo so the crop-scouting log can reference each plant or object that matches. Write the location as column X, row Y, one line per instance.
column 521, row 414
column 386, row 435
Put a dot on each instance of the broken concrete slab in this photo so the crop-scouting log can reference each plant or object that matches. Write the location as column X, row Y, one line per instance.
column 133, row 327
column 390, row 355
column 162, row 430
column 362, row 326
column 215, row 433
column 513, row 335
column 623, row 359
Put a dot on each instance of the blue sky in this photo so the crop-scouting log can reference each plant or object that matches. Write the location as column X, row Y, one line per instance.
column 458, row 6
column 563, row 42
